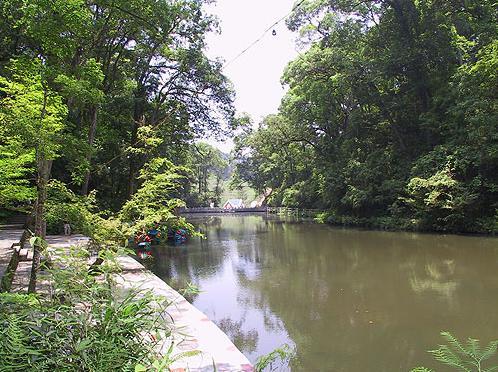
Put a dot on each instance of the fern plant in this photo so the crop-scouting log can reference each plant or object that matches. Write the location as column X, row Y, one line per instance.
column 14, row 344
column 468, row 357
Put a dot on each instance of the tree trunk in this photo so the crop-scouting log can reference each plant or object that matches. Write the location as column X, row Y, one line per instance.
column 199, row 180
column 133, row 171
column 138, row 113
column 44, row 168
column 91, row 139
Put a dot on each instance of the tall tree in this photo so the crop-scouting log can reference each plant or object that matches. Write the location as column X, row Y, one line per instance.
column 378, row 108
column 124, row 68
column 34, row 115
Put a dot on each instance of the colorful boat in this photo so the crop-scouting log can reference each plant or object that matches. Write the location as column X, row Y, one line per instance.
column 177, row 236
column 146, row 246
column 144, row 254
column 155, row 236
column 180, row 236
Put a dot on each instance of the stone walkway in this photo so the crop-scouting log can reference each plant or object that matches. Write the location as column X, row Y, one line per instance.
column 9, row 234
column 194, row 330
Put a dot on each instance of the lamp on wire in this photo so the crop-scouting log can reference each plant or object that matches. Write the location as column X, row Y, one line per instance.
column 274, row 33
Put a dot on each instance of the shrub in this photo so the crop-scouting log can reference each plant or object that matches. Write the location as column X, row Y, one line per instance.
column 276, row 360
column 155, row 200
column 64, row 205
column 85, row 324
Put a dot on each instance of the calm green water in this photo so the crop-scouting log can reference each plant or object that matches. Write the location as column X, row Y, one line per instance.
column 348, row 300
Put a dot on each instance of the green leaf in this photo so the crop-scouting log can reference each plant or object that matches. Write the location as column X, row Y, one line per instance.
column 33, row 241
column 140, row 368
column 83, row 344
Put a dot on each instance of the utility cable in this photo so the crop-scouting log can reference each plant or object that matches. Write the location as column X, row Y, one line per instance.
column 105, row 164
column 263, row 34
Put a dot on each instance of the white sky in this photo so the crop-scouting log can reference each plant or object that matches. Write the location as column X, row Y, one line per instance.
column 256, row 74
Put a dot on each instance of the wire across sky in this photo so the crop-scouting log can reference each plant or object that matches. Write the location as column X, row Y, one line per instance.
column 263, row 34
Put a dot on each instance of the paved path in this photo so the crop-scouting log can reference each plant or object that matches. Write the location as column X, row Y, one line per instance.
column 61, row 241
column 9, row 234
column 20, row 281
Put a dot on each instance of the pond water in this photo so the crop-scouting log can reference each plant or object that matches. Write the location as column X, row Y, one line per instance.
column 346, row 299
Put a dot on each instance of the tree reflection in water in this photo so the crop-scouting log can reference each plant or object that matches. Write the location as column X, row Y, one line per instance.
column 348, row 299
column 245, row 341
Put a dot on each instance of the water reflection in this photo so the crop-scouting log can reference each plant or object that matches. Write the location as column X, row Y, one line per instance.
column 246, row 341
column 349, row 300
column 438, row 279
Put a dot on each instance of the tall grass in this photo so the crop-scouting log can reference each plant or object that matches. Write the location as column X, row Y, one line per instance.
column 83, row 324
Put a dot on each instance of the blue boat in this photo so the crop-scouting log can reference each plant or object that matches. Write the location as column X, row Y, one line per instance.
column 155, row 236
column 177, row 236
column 132, row 243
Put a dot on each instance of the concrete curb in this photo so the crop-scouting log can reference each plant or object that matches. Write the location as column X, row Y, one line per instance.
column 194, row 330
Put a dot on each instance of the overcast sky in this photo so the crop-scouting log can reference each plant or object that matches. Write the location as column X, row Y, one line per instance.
column 256, row 74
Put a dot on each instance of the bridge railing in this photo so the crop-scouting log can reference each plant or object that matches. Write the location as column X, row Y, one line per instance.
column 300, row 212
column 222, row 210
column 283, row 211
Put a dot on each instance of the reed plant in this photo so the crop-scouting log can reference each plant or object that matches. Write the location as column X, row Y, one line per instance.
column 83, row 322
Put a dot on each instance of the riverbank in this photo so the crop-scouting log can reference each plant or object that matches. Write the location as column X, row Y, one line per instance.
column 386, row 223
column 457, row 225
column 385, row 296
column 203, row 345
column 194, row 331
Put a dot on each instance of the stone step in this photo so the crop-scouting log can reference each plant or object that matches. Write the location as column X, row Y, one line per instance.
column 26, row 254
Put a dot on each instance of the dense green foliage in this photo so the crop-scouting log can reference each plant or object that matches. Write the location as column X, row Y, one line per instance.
column 391, row 116
column 209, row 171
column 105, row 87
column 14, row 184
column 107, row 99
column 84, row 325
